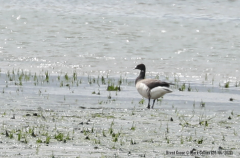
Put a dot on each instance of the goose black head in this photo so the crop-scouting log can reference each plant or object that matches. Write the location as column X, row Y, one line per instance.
column 141, row 67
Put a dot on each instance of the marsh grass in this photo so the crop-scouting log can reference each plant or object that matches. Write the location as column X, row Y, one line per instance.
column 109, row 96
column 226, row 85
column 19, row 135
column 141, row 102
column 110, row 130
column 66, row 77
column 183, row 87
column 115, row 136
column 59, row 136
column 200, row 141
column 112, row 87
column 39, row 140
column 182, row 141
column 206, row 77
column 189, row 88
column 133, row 128
column 237, row 84
column 103, row 133
column 46, row 76
column 132, row 142
column 202, row 104
column 75, row 76
column 103, row 80
column 167, row 129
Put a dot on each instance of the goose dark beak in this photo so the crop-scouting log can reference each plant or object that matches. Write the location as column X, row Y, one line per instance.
column 136, row 67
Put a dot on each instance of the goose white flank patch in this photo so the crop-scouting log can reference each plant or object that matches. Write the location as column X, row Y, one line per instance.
column 150, row 88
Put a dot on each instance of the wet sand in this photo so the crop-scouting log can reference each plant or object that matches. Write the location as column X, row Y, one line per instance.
column 75, row 116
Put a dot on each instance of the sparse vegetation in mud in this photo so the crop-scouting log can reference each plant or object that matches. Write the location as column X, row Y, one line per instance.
column 70, row 122
column 100, row 129
column 72, row 81
column 20, row 78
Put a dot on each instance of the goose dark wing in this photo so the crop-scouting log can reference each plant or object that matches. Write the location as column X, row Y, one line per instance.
column 151, row 83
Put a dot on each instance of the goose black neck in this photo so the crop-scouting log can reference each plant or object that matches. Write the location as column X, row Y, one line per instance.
column 140, row 76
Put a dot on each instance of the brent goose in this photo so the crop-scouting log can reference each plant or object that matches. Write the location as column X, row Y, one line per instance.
column 150, row 88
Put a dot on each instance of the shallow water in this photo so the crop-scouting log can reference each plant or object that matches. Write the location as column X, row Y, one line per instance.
column 184, row 38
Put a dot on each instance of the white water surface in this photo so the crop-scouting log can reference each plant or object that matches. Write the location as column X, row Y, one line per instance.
column 186, row 38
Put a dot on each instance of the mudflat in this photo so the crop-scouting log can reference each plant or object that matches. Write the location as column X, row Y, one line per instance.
column 99, row 116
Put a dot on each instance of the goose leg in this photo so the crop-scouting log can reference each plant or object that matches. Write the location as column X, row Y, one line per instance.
column 153, row 103
column 148, row 103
